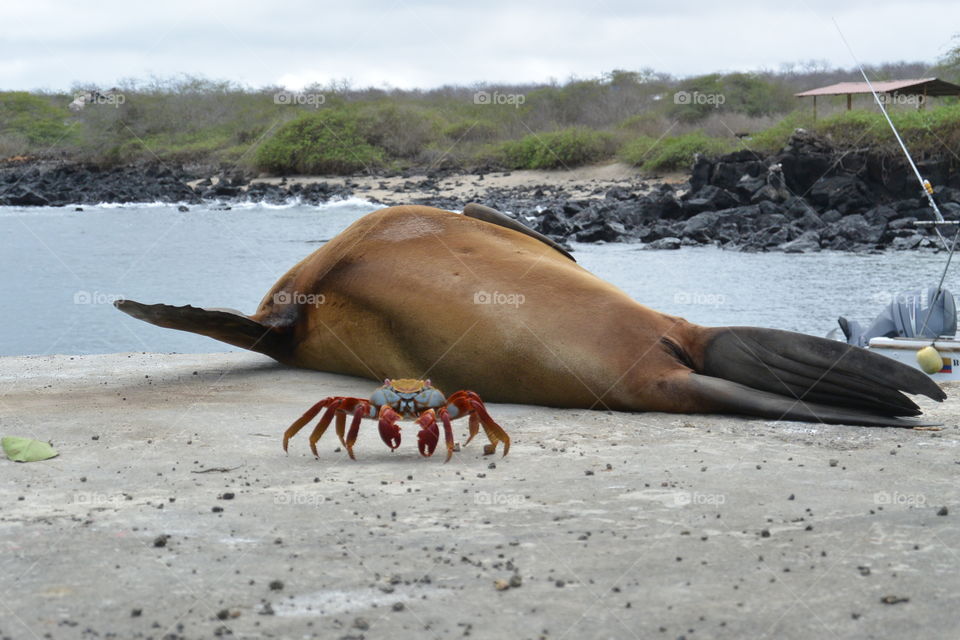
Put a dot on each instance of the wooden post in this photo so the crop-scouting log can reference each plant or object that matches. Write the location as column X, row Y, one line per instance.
column 814, row 108
column 849, row 101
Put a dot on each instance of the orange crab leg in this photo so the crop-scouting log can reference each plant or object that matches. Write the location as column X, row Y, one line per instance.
column 304, row 419
column 321, row 427
column 447, row 432
column 341, row 427
column 474, row 427
column 470, row 402
column 358, row 415
column 335, row 407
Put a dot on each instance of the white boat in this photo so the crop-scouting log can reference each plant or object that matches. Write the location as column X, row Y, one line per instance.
column 905, row 350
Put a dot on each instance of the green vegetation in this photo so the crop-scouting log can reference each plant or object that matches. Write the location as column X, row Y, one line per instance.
column 557, row 150
column 936, row 131
column 30, row 122
column 322, row 142
column 644, row 118
column 673, row 153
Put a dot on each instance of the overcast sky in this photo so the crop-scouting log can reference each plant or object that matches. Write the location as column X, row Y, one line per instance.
column 54, row 44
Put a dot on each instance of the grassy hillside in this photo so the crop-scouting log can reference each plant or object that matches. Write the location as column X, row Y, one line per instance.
column 643, row 118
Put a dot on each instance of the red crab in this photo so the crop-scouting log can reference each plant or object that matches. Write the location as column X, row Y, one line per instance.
column 398, row 399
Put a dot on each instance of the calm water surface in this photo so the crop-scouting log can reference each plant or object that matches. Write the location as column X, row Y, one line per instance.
column 60, row 269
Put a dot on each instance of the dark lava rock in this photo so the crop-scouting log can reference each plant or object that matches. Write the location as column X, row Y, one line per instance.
column 807, row 242
column 710, row 198
column 846, row 194
column 664, row 243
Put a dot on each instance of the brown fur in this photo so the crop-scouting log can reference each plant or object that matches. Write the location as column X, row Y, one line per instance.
column 399, row 287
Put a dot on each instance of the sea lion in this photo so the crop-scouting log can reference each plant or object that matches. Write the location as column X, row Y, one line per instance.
column 477, row 302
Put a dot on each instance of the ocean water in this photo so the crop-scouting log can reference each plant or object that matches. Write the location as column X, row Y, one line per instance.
column 61, row 269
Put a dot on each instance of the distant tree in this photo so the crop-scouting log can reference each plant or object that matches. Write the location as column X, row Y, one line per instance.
column 949, row 64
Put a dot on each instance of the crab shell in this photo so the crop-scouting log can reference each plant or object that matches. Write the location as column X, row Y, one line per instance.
column 409, row 397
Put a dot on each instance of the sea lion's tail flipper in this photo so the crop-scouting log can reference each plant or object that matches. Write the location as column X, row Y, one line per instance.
column 833, row 380
column 714, row 395
column 227, row 326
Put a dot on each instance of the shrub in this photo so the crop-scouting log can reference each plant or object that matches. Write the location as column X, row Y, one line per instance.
column 933, row 131
column 32, row 118
column 645, row 124
column 401, row 131
column 559, row 149
column 674, row 153
column 470, row 131
column 773, row 139
column 328, row 141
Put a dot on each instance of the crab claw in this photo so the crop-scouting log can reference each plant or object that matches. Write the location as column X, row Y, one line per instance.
column 429, row 434
column 389, row 430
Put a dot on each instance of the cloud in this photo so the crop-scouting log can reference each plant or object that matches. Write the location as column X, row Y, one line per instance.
column 428, row 43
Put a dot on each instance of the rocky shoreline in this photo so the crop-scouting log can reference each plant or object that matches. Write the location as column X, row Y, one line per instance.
column 806, row 198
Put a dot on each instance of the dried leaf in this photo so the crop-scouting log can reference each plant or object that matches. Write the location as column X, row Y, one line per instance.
column 26, row 450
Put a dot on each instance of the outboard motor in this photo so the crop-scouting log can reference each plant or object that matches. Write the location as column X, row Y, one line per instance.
column 915, row 314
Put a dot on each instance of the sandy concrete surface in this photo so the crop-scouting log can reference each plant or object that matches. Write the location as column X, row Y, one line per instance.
column 172, row 512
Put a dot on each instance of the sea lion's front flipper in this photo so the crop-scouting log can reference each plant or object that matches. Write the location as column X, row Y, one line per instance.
column 487, row 214
column 713, row 395
column 815, row 370
column 226, row 326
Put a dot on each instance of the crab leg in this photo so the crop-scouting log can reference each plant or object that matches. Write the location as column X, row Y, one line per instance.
column 341, row 427
column 304, row 419
column 321, row 427
column 359, row 414
column 468, row 402
column 335, row 406
column 447, row 431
